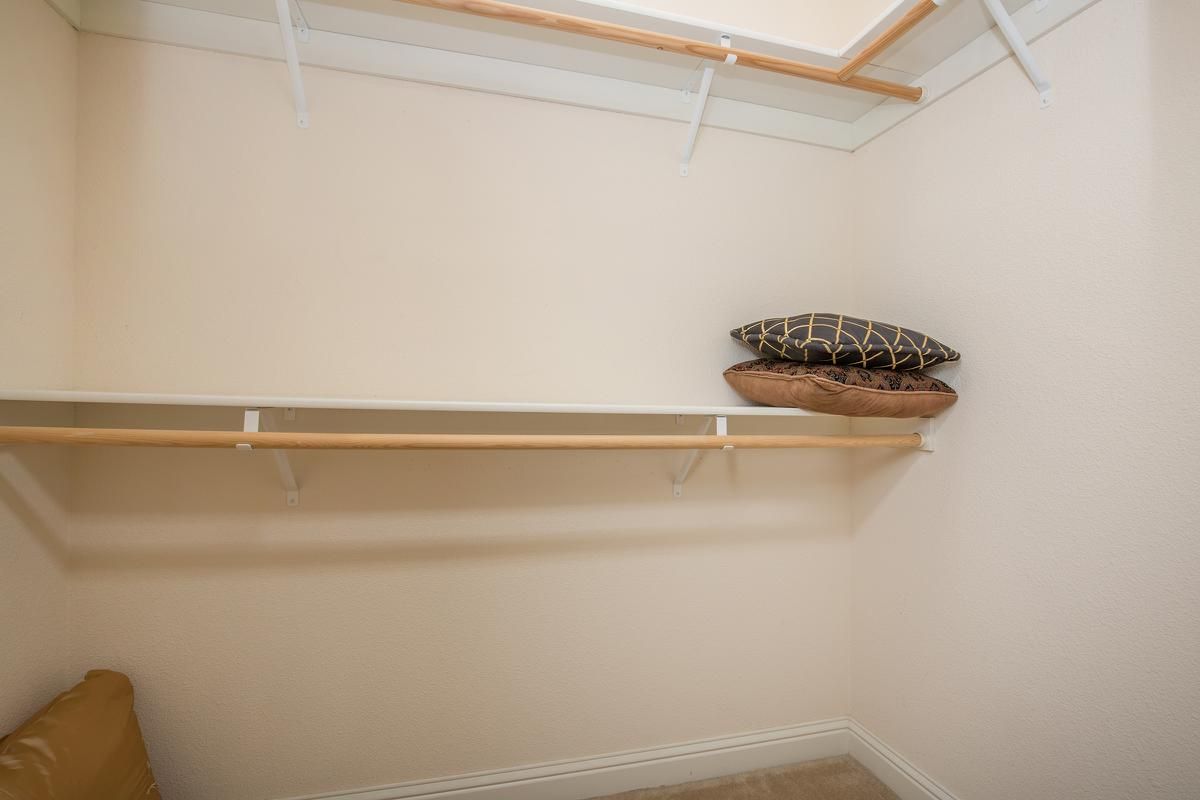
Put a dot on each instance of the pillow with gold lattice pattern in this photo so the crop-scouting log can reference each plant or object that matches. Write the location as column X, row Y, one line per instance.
column 846, row 341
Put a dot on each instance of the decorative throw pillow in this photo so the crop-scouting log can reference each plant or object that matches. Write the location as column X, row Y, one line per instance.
column 85, row 745
column 838, row 339
column 849, row 391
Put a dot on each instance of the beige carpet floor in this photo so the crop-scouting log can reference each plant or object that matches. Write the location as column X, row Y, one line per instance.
column 840, row 778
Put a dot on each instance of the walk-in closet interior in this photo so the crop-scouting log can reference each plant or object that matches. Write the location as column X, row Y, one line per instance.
column 565, row 399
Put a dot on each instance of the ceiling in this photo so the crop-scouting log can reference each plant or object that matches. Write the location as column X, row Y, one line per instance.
column 830, row 24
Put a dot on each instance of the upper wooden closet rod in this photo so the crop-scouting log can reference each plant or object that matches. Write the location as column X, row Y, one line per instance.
column 886, row 39
column 276, row 440
column 494, row 9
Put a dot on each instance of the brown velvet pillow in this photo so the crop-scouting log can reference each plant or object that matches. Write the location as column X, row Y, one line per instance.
column 848, row 341
column 849, row 391
column 85, row 745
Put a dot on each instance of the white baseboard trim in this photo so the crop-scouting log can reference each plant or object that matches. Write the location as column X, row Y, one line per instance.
column 585, row 778
column 900, row 774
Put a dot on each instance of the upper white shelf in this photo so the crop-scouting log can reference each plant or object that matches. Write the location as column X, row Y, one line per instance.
column 429, row 45
column 383, row 404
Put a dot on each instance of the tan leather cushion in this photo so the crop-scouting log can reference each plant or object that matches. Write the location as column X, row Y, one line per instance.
column 849, row 391
column 85, row 745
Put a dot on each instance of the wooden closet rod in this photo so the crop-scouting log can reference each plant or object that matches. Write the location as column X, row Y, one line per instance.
column 885, row 40
column 277, row 440
column 493, row 9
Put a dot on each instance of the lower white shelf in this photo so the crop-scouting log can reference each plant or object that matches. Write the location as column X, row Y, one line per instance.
column 256, row 435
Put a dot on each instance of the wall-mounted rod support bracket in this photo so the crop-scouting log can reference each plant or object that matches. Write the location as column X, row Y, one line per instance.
column 255, row 421
column 1021, row 50
column 723, row 429
column 284, row 12
column 698, row 110
column 925, row 429
column 252, row 423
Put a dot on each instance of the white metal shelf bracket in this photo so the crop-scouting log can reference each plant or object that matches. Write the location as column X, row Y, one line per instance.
column 300, row 22
column 288, row 34
column 690, row 457
column 1021, row 50
column 256, row 421
column 698, row 111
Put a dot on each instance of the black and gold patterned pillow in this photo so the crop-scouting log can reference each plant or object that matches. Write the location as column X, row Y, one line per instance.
column 847, row 341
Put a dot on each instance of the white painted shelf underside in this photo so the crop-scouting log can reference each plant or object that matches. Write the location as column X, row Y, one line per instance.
column 716, row 424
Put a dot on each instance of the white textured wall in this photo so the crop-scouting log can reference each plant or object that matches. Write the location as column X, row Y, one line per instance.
column 35, row 637
column 38, row 52
column 428, row 614
column 424, row 242
column 1025, row 621
column 37, row 165
column 422, row 615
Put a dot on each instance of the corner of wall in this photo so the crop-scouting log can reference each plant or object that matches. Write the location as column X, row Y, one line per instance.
column 37, row 200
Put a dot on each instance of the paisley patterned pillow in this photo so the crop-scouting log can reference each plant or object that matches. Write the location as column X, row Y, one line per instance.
column 848, row 341
column 849, row 391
